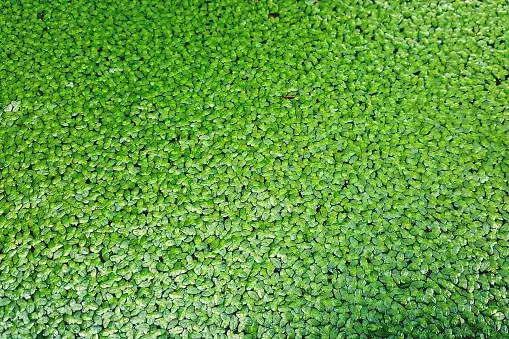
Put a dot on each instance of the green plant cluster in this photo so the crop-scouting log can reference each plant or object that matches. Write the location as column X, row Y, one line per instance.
column 254, row 169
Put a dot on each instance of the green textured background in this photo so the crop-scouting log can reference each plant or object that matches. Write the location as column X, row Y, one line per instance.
column 253, row 169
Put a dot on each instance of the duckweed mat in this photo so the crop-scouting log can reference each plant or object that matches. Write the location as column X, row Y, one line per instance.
column 254, row 169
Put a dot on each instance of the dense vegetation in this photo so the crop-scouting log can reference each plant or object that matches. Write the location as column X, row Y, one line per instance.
column 254, row 169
